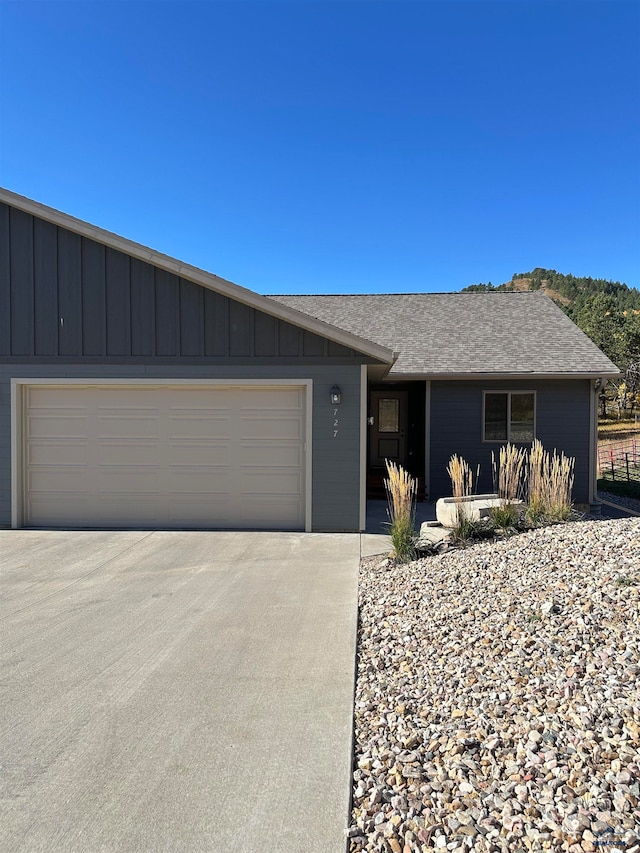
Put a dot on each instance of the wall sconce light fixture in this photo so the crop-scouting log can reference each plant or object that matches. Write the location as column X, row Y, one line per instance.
column 336, row 395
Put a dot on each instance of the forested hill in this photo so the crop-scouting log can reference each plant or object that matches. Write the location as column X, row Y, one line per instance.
column 607, row 311
column 569, row 291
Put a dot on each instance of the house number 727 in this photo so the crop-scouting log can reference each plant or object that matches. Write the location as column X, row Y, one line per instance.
column 335, row 422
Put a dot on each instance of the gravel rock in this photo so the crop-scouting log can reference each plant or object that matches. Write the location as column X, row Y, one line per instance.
column 497, row 702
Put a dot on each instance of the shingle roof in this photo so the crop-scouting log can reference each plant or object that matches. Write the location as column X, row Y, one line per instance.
column 464, row 333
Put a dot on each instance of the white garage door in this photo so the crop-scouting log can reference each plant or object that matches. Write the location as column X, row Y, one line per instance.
column 165, row 456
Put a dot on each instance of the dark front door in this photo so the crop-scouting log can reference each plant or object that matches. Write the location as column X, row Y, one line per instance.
column 387, row 431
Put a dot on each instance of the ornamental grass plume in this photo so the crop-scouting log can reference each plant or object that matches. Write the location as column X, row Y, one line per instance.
column 536, row 479
column 551, row 478
column 559, row 476
column 401, row 490
column 461, row 477
column 507, row 474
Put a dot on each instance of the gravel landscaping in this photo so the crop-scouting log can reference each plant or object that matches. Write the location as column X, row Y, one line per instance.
column 497, row 700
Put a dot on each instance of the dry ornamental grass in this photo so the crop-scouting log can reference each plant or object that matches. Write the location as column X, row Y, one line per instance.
column 401, row 496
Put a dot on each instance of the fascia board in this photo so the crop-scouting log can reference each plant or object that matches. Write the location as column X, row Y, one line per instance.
column 442, row 377
column 199, row 276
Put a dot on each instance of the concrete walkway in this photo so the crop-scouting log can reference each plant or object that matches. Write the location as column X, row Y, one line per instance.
column 176, row 691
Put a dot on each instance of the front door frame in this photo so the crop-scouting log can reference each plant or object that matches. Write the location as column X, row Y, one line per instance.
column 382, row 442
column 416, row 431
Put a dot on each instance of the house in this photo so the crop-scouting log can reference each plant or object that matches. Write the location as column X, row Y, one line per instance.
column 472, row 371
column 138, row 391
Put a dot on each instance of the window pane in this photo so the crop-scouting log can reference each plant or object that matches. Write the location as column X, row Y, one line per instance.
column 495, row 417
column 521, row 417
column 388, row 415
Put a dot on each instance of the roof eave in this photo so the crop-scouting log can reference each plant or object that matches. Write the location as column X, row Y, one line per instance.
column 197, row 275
column 494, row 375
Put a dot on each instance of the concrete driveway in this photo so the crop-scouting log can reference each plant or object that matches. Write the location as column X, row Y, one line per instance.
column 176, row 691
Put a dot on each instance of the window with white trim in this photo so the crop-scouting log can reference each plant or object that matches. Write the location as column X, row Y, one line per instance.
column 509, row 416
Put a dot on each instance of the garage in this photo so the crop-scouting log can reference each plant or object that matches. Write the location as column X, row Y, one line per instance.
column 138, row 391
column 164, row 455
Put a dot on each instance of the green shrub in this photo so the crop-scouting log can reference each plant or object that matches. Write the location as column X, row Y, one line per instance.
column 506, row 515
column 465, row 530
column 535, row 513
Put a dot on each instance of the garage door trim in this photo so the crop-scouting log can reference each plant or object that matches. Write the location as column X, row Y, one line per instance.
column 18, row 434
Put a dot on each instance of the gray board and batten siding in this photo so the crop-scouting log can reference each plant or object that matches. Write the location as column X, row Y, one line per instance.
column 71, row 307
column 65, row 295
column 562, row 423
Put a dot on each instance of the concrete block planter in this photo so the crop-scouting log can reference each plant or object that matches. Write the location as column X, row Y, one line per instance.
column 475, row 508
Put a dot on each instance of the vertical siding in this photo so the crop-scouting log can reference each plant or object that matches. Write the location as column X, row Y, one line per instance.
column 562, row 423
column 5, row 448
column 117, row 307
column 167, row 314
column 265, row 335
column 313, row 345
column 45, row 248
column 69, row 293
column 5, row 281
column 336, row 349
column 288, row 339
column 63, row 295
column 143, row 308
column 22, row 296
column 191, row 319
column 336, row 458
column 118, row 290
column 216, row 325
column 240, row 329
column 94, row 316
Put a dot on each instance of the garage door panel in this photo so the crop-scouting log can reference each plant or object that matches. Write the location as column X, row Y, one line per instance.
column 65, row 512
column 191, row 481
column 126, row 511
column 213, row 399
column 165, row 456
column 124, row 397
column 128, row 480
column 115, row 426
column 192, row 512
column 196, row 427
column 58, row 479
column 263, row 511
column 269, row 398
column 271, row 427
column 127, row 453
column 62, row 398
column 271, row 454
column 65, row 452
column 201, row 454
column 57, row 426
column 268, row 481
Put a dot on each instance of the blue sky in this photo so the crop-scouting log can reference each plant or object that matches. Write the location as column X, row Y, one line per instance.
column 326, row 147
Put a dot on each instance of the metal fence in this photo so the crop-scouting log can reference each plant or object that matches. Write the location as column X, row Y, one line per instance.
column 620, row 461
